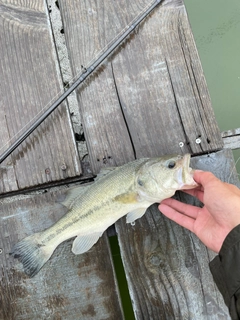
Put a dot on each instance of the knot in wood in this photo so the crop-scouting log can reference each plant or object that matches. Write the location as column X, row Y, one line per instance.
column 156, row 261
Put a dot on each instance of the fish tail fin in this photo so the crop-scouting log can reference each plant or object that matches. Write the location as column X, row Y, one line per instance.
column 32, row 253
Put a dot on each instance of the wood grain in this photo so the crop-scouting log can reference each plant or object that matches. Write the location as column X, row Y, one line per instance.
column 231, row 139
column 147, row 98
column 167, row 266
column 31, row 80
column 161, row 87
column 150, row 98
column 105, row 128
column 68, row 287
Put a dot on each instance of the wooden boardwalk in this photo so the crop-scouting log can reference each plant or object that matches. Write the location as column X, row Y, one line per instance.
column 149, row 98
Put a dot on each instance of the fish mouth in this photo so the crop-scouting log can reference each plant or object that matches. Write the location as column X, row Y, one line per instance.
column 186, row 161
column 185, row 174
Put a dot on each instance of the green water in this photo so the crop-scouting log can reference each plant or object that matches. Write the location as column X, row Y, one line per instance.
column 121, row 279
column 216, row 29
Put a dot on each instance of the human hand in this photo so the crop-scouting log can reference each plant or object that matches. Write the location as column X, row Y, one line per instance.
column 220, row 214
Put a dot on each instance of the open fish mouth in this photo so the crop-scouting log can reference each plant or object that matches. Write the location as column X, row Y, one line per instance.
column 186, row 160
column 185, row 174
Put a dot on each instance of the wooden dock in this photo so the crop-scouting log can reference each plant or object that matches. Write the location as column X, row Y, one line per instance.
column 149, row 98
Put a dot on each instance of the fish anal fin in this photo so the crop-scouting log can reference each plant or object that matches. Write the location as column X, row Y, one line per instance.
column 83, row 243
column 136, row 214
column 129, row 197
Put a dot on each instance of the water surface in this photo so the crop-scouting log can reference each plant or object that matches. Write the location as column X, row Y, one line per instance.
column 216, row 29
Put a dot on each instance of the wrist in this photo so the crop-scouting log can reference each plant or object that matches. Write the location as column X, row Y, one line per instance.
column 232, row 238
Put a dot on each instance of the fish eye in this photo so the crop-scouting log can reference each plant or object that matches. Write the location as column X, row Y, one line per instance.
column 140, row 182
column 171, row 164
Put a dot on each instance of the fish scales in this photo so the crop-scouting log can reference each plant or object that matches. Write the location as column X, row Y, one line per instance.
column 129, row 189
column 97, row 201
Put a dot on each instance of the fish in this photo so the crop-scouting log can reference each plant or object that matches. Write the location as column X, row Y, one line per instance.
column 125, row 190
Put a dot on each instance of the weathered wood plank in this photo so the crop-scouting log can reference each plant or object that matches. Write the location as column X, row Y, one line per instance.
column 165, row 87
column 104, row 125
column 232, row 142
column 230, row 133
column 7, row 174
column 231, row 139
column 68, row 287
column 32, row 79
column 151, row 97
column 167, row 266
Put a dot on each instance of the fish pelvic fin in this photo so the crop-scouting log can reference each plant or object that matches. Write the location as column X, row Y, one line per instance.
column 32, row 254
column 134, row 215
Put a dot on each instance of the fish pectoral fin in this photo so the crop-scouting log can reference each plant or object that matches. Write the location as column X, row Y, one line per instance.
column 83, row 243
column 128, row 197
column 136, row 214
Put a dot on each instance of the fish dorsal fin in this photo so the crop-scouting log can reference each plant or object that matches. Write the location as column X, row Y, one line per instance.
column 136, row 214
column 83, row 243
column 103, row 172
column 72, row 194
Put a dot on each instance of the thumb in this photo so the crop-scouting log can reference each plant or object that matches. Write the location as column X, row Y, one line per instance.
column 204, row 177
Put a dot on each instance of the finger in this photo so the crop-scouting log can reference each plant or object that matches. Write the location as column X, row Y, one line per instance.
column 197, row 193
column 182, row 220
column 183, row 208
column 204, row 177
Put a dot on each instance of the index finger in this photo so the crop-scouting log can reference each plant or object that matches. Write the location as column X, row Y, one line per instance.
column 204, row 177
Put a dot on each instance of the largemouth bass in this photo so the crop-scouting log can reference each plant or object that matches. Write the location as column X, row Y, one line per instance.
column 129, row 189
